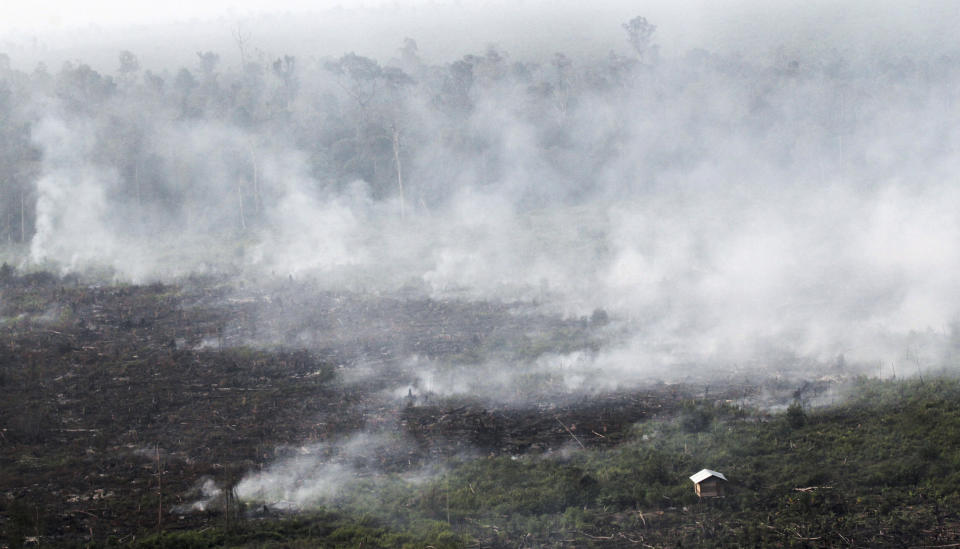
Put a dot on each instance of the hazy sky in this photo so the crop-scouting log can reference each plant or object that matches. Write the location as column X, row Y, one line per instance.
column 94, row 31
column 44, row 15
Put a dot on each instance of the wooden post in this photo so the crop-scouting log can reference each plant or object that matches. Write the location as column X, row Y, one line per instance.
column 159, row 495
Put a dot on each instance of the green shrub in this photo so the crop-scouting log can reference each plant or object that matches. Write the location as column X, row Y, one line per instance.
column 796, row 416
column 695, row 418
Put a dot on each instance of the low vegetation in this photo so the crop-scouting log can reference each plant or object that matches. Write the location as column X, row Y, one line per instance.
column 880, row 469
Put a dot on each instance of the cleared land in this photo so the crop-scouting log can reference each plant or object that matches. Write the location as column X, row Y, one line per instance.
column 120, row 401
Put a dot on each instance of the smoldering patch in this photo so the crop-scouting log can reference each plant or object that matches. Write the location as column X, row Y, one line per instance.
column 321, row 473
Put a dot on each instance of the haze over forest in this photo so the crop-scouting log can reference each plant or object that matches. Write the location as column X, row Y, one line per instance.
column 765, row 201
column 479, row 274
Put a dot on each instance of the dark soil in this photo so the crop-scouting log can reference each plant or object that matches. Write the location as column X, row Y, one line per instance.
column 120, row 399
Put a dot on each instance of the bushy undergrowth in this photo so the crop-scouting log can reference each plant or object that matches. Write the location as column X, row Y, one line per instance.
column 880, row 469
column 321, row 529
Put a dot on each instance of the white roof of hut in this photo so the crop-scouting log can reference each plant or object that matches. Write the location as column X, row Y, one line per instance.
column 705, row 474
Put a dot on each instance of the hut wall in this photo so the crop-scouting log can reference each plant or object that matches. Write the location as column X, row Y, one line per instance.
column 710, row 488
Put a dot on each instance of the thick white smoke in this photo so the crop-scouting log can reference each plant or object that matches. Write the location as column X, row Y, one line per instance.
column 717, row 207
column 322, row 473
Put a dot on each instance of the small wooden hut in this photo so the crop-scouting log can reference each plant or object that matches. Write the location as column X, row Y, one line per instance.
column 709, row 484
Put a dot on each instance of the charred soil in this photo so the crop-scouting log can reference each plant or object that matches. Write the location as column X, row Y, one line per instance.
column 120, row 398
column 122, row 402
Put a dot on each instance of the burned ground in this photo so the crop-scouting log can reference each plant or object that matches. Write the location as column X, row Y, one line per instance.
column 105, row 384
column 123, row 403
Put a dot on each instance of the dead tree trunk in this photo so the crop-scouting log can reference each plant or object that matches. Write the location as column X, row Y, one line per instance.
column 23, row 219
column 243, row 217
column 396, row 160
column 257, row 201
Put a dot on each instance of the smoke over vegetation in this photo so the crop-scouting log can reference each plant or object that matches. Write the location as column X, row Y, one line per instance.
column 727, row 209
column 321, row 472
column 371, row 268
